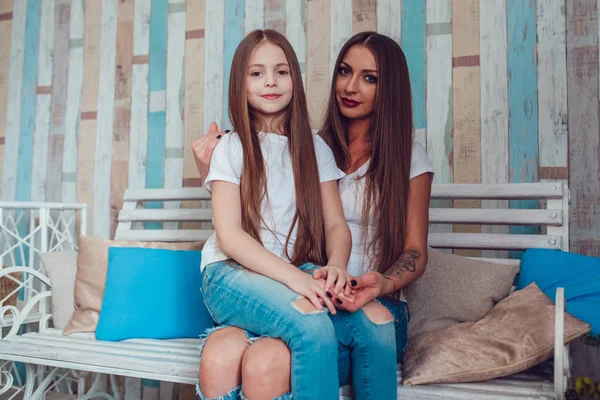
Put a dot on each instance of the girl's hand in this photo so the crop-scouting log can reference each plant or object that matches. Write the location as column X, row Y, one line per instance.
column 313, row 289
column 203, row 148
column 338, row 281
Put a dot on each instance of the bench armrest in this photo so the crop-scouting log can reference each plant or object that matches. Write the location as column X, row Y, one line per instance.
column 13, row 317
column 561, row 352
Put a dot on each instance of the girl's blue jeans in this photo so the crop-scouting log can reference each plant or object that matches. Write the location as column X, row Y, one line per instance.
column 365, row 351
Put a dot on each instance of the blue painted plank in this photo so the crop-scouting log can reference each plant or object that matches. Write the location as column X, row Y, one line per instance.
column 233, row 35
column 157, row 67
column 157, row 81
column 413, row 45
column 30, row 76
column 522, row 100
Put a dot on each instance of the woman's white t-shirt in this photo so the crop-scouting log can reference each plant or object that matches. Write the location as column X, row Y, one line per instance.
column 352, row 191
column 279, row 206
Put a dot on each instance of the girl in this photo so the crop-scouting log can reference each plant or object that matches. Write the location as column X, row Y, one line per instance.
column 277, row 215
column 385, row 196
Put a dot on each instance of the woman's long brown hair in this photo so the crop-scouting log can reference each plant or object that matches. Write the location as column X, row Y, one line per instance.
column 310, row 240
column 387, row 177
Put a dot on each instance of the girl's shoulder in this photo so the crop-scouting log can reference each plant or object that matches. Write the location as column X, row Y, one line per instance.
column 230, row 142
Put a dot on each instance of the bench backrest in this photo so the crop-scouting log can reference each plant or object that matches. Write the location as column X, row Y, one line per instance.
column 543, row 206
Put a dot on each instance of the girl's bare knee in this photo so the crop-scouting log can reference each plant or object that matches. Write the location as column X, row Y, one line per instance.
column 266, row 369
column 377, row 313
column 221, row 360
column 265, row 357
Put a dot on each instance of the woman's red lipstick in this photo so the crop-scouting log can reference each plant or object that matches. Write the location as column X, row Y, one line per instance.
column 349, row 103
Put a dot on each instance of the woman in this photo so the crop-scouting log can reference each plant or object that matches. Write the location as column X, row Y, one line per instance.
column 385, row 195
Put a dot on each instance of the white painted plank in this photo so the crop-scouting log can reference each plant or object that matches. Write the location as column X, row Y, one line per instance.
column 110, row 349
column 180, row 215
column 254, row 15
column 494, row 103
column 552, row 83
column 439, row 88
column 138, row 367
column 389, row 19
column 188, row 193
column 506, row 191
column 496, row 216
column 167, row 391
column 494, row 241
column 174, row 135
column 13, row 109
column 133, row 389
column 138, row 137
column 149, row 393
column 43, row 111
column 104, row 125
column 295, row 13
column 213, row 68
column 340, row 30
column 72, row 113
column 438, row 103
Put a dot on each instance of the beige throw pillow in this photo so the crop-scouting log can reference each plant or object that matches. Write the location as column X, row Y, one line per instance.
column 61, row 267
column 516, row 334
column 455, row 289
column 92, row 265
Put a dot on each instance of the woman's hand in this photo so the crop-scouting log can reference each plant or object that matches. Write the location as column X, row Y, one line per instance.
column 203, row 148
column 368, row 287
column 313, row 289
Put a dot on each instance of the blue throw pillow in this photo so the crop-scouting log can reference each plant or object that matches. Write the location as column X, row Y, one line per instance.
column 578, row 274
column 152, row 293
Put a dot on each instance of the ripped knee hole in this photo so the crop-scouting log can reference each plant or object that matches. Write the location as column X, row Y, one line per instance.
column 304, row 306
column 378, row 313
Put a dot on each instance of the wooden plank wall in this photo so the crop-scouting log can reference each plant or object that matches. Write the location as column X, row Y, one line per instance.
column 100, row 95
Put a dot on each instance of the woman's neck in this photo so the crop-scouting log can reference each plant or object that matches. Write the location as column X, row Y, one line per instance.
column 360, row 143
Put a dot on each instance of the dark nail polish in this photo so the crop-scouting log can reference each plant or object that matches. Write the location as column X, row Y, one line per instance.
column 218, row 136
column 353, row 282
column 338, row 301
column 227, row 130
column 328, row 294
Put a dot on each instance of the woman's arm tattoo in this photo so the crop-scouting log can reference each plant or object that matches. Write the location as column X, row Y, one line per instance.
column 407, row 262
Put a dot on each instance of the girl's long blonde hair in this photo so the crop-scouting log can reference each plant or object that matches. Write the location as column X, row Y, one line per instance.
column 310, row 240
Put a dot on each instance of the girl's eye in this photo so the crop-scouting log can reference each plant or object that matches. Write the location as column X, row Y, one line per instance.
column 255, row 73
column 343, row 71
column 371, row 79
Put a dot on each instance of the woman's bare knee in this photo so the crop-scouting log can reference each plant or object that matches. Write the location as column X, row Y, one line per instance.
column 266, row 369
column 377, row 313
column 220, row 364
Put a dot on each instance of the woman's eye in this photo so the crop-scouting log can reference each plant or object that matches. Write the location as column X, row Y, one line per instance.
column 283, row 72
column 371, row 79
column 343, row 71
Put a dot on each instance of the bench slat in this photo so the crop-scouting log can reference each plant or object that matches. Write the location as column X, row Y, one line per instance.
column 167, row 235
column 495, row 216
column 491, row 241
column 498, row 191
column 188, row 193
column 180, row 215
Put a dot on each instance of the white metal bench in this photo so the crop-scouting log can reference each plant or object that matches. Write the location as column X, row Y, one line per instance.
column 178, row 360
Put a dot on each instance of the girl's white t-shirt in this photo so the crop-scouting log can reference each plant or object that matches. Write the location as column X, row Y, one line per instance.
column 352, row 192
column 279, row 206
